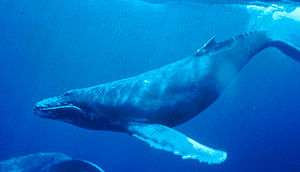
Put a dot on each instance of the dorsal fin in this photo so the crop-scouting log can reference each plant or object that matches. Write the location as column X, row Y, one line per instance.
column 209, row 44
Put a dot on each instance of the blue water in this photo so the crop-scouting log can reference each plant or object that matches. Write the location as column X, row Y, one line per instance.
column 48, row 47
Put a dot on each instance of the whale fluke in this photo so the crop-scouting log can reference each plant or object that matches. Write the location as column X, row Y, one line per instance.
column 168, row 139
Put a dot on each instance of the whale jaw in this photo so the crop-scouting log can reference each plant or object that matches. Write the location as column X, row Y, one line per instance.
column 56, row 108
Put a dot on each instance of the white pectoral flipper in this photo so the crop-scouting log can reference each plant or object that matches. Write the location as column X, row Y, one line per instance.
column 168, row 139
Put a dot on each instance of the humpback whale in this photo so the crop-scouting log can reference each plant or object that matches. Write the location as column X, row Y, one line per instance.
column 148, row 105
column 47, row 162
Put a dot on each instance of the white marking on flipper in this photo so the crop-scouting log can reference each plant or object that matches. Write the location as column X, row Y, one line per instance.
column 168, row 139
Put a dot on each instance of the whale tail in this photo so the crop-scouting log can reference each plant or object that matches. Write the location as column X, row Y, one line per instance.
column 286, row 48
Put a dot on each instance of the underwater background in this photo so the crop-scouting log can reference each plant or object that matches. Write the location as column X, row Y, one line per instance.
column 48, row 47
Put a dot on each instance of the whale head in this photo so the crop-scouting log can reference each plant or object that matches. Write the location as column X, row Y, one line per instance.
column 70, row 107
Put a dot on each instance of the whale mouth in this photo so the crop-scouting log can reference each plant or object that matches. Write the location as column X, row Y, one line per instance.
column 55, row 108
column 52, row 112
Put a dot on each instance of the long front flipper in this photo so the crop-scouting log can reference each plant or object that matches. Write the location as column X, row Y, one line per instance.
column 168, row 139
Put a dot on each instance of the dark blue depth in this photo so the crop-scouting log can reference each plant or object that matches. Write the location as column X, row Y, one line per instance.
column 48, row 47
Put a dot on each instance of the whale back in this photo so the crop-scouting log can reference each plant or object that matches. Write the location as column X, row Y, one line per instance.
column 228, row 57
column 245, row 45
